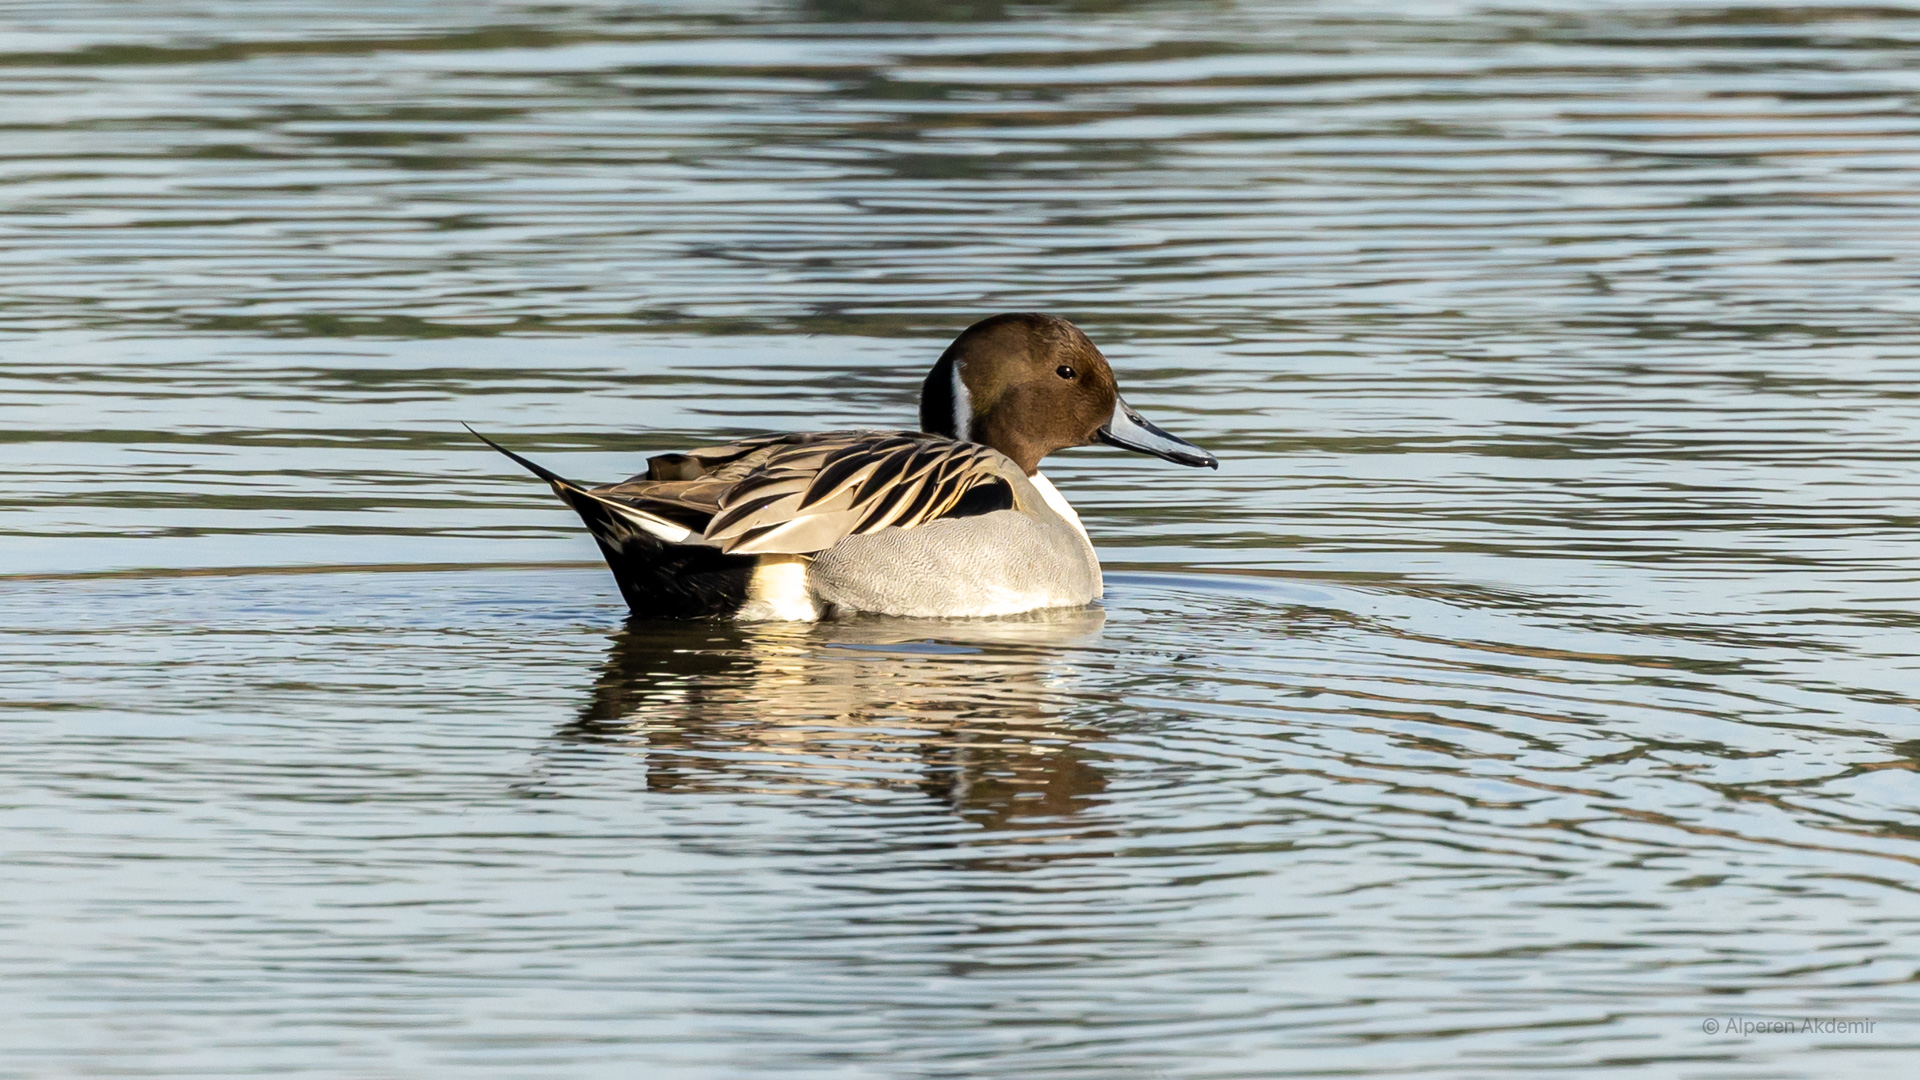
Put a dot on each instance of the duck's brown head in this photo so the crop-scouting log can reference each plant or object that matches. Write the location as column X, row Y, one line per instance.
column 1028, row 385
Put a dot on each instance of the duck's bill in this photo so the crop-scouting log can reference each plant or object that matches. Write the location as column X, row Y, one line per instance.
column 1128, row 430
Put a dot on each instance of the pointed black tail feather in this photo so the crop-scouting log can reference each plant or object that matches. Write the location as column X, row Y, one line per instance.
column 609, row 521
column 535, row 468
column 657, row 579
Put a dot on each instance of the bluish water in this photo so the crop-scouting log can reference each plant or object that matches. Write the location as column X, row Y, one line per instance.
column 1533, row 684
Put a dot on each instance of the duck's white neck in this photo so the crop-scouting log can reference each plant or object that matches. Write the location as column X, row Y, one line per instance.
column 1058, row 503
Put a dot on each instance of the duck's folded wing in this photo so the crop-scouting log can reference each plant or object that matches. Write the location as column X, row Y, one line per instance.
column 686, row 488
column 795, row 494
column 689, row 488
column 805, row 497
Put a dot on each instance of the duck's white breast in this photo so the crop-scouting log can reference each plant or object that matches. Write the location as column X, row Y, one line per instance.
column 1058, row 504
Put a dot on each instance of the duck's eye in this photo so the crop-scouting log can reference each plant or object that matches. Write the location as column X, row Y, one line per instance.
column 1063, row 371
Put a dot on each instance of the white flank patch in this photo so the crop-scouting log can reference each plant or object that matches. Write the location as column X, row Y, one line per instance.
column 1058, row 504
column 777, row 591
column 962, row 406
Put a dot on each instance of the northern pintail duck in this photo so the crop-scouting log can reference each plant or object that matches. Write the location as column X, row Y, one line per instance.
column 951, row 520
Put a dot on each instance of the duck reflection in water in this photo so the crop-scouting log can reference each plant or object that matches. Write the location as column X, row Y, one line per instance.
column 977, row 716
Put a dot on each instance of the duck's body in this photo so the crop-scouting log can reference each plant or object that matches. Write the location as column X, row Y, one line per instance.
column 953, row 521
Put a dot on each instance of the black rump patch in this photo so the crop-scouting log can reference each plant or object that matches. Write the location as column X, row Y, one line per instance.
column 691, row 581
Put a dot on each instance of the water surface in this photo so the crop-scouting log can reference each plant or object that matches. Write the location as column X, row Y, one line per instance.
column 1533, row 683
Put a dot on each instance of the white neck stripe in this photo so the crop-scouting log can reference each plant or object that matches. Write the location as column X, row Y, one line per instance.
column 962, row 406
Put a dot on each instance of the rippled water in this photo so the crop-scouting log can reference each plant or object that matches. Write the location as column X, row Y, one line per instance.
column 1534, row 683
